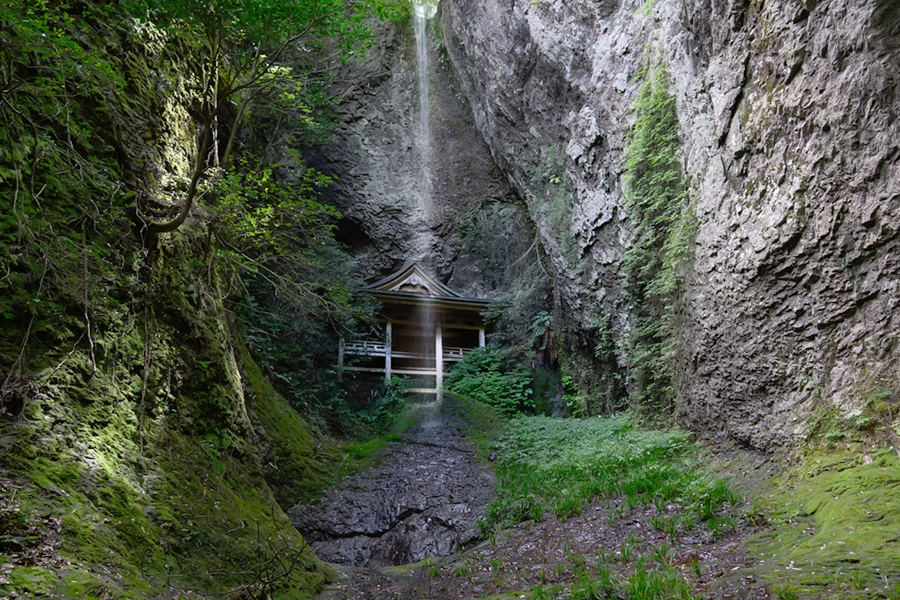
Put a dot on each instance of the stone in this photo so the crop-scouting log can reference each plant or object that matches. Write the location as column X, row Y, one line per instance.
column 375, row 155
column 423, row 499
column 789, row 123
column 790, row 139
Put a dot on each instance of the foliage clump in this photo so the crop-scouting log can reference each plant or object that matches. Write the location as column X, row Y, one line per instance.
column 63, row 202
column 558, row 465
column 491, row 376
column 553, row 200
column 662, row 221
column 253, row 51
column 511, row 263
column 125, row 415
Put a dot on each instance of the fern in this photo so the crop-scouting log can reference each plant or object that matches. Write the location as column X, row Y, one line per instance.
column 659, row 210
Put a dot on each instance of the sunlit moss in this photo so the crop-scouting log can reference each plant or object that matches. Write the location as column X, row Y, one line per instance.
column 835, row 526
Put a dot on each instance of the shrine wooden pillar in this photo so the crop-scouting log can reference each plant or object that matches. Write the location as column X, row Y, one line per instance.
column 481, row 337
column 340, row 373
column 388, row 342
column 438, row 360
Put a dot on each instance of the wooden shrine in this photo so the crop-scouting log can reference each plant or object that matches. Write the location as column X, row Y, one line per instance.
column 427, row 326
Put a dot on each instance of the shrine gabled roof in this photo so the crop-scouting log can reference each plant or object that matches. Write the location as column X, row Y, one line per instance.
column 413, row 285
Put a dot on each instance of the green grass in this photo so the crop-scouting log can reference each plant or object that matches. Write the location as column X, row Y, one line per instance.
column 557, row 466
column 641, row 584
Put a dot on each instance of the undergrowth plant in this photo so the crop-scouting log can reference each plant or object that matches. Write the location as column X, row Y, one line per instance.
column 500, row 233
column 551, row 196
column 491, row 376
column 662, row 221
column 554, row 465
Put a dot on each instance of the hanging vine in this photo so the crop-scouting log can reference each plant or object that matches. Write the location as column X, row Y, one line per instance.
column 662, row 220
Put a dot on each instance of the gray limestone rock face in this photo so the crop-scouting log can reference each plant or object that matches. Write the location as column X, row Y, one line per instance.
column 397, row 205
column 791, row 141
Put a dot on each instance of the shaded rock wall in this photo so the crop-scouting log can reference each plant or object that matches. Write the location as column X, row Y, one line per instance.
column 142, row 414
column 788, row 115
column 375, row 153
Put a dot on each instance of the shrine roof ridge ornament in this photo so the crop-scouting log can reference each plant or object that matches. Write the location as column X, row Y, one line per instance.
column 413, row 285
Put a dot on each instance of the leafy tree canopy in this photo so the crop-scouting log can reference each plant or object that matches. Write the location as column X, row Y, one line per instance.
column 271, row 22
column 252, row 47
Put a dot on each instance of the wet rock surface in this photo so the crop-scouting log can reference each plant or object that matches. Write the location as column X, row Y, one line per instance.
column 423, row 500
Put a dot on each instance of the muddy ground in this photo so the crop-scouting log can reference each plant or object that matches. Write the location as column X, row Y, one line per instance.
column 549, row 554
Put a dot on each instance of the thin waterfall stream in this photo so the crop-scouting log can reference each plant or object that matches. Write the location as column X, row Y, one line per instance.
column 420, row 23
column 423, row 10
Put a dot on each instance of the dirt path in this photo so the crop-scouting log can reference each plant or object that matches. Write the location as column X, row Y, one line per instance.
column 422, row 501
column 555, row 555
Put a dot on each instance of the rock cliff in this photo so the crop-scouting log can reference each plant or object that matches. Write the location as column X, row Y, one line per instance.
column 789, row 132
column 376, row 155
column 790, row 142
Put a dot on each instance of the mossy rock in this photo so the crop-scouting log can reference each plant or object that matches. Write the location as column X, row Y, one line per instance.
column 35, row 582
column 836, row 526
column 299, row 465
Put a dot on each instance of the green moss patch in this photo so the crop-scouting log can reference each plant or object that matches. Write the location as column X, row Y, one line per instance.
column 298, row 465
column 226, row 526
column 35, row 581
column 201, row 520
column 143, row 502
column 836, row 527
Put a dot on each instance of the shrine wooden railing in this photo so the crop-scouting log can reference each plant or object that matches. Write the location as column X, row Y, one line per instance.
column 377, row 348
column 436, row 360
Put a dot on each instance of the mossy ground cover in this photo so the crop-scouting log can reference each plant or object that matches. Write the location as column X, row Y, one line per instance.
column 835, row 527
column 198, row 519
column 299, row 464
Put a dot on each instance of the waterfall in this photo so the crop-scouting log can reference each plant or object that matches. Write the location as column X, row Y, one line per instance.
column 424, row 10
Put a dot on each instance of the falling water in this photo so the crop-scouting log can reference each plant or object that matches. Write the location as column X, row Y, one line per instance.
column 424, row 10
column 425, row 321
